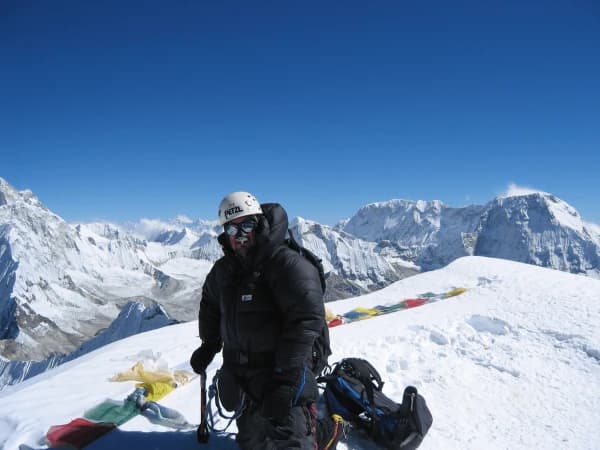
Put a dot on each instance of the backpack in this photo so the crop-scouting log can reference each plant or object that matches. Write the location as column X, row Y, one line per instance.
column 321, row 347
column 312, row 258
column 353, row 390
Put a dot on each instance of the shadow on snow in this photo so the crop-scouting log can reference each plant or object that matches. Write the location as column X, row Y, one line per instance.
column 157, row 440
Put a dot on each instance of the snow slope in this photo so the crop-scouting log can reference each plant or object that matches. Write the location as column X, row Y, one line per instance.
column 513, row 363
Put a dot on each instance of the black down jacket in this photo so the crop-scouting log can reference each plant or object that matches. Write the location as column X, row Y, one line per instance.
column 269, row 303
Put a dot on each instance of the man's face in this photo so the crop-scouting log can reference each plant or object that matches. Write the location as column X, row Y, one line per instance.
column 241, row 233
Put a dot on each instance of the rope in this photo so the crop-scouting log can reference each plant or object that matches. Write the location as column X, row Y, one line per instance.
column 213, row 393
column 334, row 437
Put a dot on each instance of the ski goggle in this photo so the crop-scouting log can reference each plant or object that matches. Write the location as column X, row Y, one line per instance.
column 247, row 226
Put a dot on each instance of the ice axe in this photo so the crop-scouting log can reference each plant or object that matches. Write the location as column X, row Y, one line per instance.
column 202, row 431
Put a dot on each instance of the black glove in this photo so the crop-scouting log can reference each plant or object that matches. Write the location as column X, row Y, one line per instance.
column 279, row 394
column 202, row 357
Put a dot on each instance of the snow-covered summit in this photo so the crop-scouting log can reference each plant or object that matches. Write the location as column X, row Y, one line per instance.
column 183, row 236
column 514, row 190
column 153, row 229
column 560, row 211
column 512, row 363
column 411, row 222
column 538, row 228
column 429, row 233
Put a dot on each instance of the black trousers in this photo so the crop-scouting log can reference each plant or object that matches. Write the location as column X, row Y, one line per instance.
column 296, row 431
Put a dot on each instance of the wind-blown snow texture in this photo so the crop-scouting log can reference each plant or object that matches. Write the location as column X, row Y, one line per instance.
column 512, row 363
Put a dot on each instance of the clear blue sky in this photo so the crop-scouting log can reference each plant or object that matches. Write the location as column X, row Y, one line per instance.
column 119, row 110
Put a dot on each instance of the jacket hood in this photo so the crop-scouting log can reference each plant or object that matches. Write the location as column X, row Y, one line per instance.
column 270, row 234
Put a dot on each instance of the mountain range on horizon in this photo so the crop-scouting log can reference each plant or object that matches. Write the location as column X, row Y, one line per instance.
column 61, row 283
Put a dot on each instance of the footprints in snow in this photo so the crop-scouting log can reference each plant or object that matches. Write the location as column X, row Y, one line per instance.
column 487, row 282
column 491, row 325
column 471, row 340
column 593, row 353
column 438, row 338
column 486, row 341
column 575, row 341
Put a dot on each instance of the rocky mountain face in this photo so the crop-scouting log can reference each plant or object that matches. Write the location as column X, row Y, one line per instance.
column 61, row 283
column 428, row 233
column 353, row 266
column 536, row 228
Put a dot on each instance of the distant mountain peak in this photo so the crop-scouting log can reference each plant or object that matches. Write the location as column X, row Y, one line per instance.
column 521, row 191
column 182, row 218
column 559, row 211
column 302, row 222
column 10, row 195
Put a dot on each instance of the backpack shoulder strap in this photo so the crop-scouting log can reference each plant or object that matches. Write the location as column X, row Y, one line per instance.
column 291, row 242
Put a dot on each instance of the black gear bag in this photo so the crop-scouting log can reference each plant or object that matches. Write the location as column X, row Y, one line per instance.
column 353, row 390
column 321, row 347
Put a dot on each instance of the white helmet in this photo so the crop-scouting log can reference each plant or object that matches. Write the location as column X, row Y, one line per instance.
column 238, row 204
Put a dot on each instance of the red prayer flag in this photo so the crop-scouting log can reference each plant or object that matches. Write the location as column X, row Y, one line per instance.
column 412, row 302
column 335, row 322
column 77, row 433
